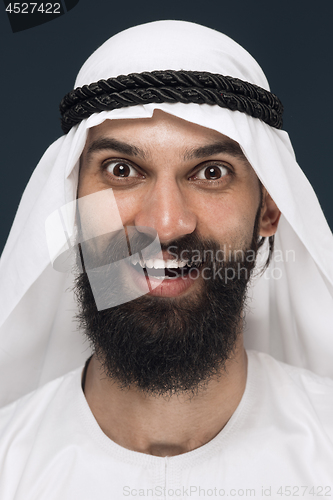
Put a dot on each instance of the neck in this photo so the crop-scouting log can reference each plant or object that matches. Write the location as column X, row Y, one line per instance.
column 165, row 426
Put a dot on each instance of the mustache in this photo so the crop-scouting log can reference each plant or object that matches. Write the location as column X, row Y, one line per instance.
column 112, row 247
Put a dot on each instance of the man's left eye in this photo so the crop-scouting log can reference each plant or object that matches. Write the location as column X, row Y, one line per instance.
column 121, row 169
column 212, row 172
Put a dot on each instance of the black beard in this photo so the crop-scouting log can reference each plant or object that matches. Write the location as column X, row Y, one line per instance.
column 164, row 346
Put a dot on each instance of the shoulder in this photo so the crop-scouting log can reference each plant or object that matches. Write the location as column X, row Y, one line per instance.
column 303, row 391
column 30, row 409
column 301, row 377
column 34, row 428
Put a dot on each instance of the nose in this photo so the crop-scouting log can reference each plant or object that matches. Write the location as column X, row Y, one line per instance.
column 166, row 209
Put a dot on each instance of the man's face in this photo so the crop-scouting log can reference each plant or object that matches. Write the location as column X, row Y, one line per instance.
column 175, row 177
column 195, row 188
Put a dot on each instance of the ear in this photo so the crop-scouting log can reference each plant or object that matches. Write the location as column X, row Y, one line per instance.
column 270, row 215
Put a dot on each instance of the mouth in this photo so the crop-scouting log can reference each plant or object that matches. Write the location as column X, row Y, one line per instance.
column 164, row 277
column 161, row 269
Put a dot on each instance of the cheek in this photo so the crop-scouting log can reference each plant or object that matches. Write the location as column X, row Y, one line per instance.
column 90, row 181
column 86, row 184
column 129, row 204
column 228, row 221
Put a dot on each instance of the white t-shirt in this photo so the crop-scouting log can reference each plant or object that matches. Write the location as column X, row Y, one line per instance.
column 278, row 443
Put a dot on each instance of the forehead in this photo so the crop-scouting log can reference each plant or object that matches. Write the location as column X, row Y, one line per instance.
column 161, row 133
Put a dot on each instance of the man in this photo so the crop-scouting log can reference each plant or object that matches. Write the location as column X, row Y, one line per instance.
column 181, row 176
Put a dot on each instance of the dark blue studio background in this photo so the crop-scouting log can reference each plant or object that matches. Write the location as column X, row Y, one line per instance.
column 291, row 40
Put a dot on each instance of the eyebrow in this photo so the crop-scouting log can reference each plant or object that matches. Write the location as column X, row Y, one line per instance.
column 225, row 147
column 230, row 148
column 106, row 143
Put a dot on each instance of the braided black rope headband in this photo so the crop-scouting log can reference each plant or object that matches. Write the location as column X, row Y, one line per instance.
column 170, row 86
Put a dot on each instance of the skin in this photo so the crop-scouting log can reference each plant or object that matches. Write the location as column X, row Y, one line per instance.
column 168, row 191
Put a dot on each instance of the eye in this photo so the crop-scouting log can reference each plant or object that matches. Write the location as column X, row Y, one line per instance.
column 120, row 169
column 211, row 172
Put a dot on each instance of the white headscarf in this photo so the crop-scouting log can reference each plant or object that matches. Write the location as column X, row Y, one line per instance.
column 290, row 313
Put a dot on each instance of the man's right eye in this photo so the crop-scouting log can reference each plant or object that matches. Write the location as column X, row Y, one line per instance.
column 121, row 169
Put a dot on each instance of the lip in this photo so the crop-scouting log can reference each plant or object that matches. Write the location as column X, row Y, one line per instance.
column 168, row 287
